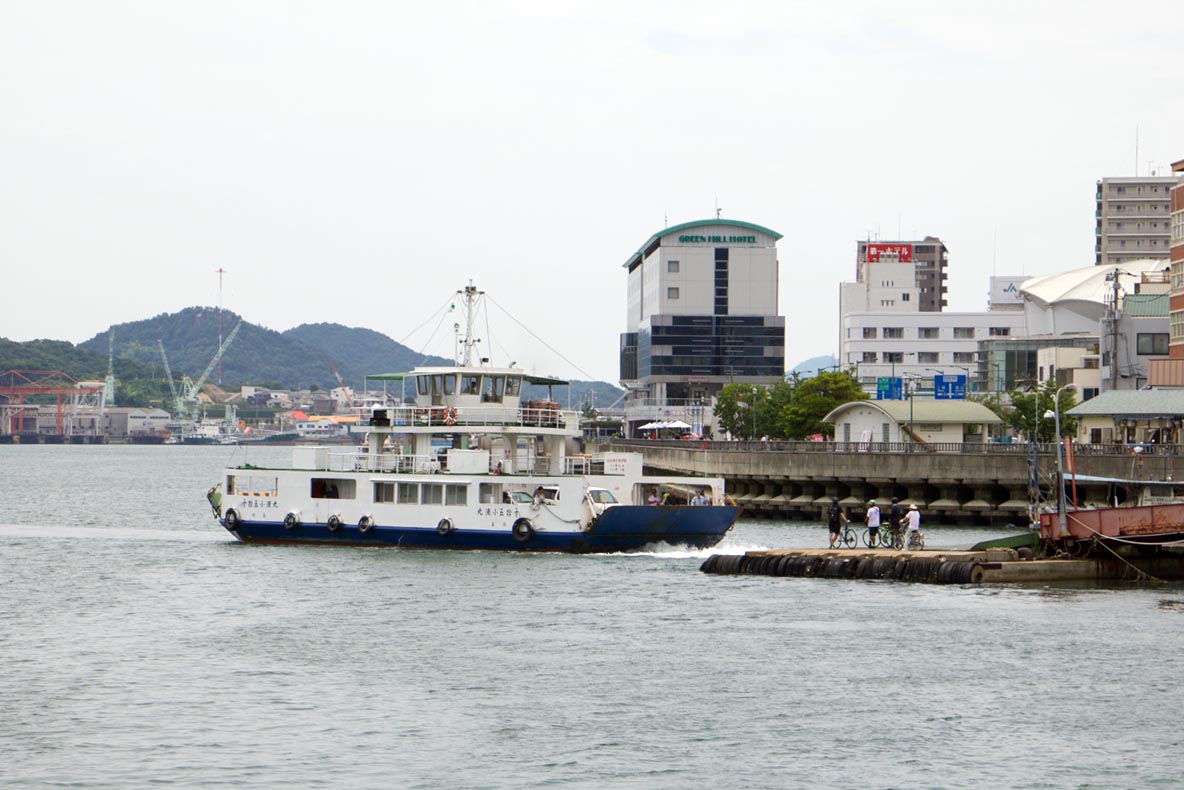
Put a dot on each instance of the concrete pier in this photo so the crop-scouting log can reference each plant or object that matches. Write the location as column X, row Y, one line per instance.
column 954, row 484
column 991, row 566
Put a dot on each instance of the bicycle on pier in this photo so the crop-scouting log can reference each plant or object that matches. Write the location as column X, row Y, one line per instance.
column 845, row 537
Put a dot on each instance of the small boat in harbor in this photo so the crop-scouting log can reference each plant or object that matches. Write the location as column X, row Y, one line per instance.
column 464, row 463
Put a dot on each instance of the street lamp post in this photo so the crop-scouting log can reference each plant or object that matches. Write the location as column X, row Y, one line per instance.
column 1056, row 415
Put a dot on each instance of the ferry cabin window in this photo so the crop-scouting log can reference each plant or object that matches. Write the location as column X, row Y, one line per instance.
column 384, row 492
column 423, row 385
column 450, row 385
column 408, row 493
column 251, row 485
column 602, row 497
column 513, row 386
column 470, row 385
column 489, row 493
column 331, row 488
column 492, row 389
column 431, row 494
column 456, row 495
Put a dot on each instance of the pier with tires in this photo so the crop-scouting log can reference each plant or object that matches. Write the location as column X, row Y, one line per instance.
column 985, row 566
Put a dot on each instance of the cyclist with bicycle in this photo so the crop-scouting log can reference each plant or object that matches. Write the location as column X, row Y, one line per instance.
column 913, row 520
column 873, row 522
column 835, row 518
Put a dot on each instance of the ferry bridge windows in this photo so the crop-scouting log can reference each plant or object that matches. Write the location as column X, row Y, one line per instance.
column 513, row 386
column 333, row 488
column 492, row 389
column 450, row 385
column 470, row 385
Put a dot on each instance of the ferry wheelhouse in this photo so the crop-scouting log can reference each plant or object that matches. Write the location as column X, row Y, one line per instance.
column 462, row 462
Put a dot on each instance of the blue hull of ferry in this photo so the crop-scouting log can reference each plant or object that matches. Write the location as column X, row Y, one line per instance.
column 621, row 528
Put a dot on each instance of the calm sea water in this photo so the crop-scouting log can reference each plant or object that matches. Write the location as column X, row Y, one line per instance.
column 142, row 648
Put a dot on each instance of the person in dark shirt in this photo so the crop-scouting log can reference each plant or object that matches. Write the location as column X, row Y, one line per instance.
column 835, row 518
column 894, row 516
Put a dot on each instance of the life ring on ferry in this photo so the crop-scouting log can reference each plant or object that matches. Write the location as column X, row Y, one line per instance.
column 232, row 519
column 450, row 415
column 365, row 524
column 523, row 530
column 334, row 523
column 445, row 526
column 292, row 520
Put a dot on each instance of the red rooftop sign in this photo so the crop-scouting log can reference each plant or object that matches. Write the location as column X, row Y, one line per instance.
column 903, row 252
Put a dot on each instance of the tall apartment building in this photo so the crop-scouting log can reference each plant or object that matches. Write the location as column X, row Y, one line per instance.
column 1132, row 219
column 1176, row 256
column 701, row 312
column 928, row 257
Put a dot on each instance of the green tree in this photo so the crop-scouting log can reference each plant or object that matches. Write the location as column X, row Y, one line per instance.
column 1026, row 415
column 738, row 407
column 816, row 397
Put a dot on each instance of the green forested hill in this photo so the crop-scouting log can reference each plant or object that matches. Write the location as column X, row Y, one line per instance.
column 359, row 352
column 296, row 359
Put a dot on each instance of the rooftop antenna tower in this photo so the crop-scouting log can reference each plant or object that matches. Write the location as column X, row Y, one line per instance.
column 220, row 272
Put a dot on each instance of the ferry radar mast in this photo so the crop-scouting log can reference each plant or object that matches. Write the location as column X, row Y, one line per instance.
column 471, row 297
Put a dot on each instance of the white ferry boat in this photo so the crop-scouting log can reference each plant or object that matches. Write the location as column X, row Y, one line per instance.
column 469, row 465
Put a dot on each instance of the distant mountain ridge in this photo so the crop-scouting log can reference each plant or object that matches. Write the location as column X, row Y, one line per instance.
column 300, row 358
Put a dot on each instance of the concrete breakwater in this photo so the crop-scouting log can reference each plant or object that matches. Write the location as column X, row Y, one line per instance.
column 954, row 483
column 939, row 567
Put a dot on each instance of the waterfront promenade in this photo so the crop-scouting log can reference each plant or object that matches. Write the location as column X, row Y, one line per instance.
column 958, row 483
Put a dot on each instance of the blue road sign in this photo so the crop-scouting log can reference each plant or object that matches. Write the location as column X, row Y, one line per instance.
column 889, row 388
column 949, row 387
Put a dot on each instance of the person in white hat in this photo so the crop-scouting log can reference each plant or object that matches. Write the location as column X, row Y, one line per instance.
column 913, row 519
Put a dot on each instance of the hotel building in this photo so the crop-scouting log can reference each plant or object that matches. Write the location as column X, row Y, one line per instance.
column 702, row 311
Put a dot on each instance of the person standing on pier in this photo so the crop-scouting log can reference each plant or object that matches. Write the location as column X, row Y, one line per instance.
column 835, row 518
column 894, row 520
column 873, row 522
column 914, row 521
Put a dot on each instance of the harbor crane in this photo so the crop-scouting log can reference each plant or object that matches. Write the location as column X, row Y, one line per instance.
column 185, row 399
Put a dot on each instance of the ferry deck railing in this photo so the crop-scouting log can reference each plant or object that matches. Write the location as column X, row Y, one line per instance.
column 475, row 416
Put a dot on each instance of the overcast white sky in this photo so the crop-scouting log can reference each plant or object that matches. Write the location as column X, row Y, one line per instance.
column 356, row 162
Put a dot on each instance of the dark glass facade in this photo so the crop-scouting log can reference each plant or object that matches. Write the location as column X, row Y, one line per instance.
column 719, row 345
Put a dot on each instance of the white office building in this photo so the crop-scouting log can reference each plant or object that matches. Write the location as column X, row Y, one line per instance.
column 920, row 345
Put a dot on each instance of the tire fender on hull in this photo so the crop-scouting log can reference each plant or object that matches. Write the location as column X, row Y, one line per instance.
column 232, row 519
column 523, row 530
column 365, row 524
column 445, row 526
column 333, row 523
